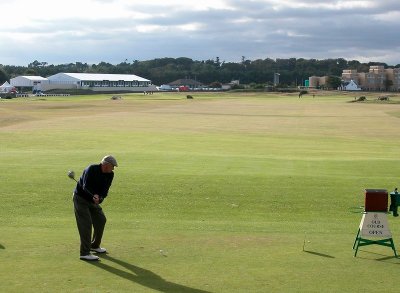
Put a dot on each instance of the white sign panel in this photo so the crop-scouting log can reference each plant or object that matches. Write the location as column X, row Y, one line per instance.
column 375, row 225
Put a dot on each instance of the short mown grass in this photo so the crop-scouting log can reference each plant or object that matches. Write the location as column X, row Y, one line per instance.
column 215, row 194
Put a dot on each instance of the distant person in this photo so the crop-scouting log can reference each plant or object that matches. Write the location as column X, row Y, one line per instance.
column 91, row 189
column 394, row 201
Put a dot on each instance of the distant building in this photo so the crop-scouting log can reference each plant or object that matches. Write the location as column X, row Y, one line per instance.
column 87, row 81
column 100, row 82
column 276, row 79
column 349, row 86
column 189, row 83
column 350, row 74
column 228, row 86
column 317, row 81
column 165, row 87
column 6, row 88
column 377, row 78
column 28, row 83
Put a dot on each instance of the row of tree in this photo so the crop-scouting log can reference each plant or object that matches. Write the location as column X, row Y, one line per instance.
column 292, row 71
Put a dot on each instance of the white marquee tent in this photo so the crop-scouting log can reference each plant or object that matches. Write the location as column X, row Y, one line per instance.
column 6, row 87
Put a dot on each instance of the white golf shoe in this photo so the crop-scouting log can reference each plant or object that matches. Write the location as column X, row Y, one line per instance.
column 99, row 250
column 89, row 257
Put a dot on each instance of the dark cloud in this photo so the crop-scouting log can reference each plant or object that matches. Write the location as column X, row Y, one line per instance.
column 255, row 29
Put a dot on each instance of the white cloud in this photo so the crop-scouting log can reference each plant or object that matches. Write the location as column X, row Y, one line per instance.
column 388, row 16
column 150, row 28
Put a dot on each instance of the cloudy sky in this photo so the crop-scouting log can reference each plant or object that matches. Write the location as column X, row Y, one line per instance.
column 114, row 31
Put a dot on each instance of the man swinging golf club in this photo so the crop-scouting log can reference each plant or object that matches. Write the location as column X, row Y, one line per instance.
column 91, row 189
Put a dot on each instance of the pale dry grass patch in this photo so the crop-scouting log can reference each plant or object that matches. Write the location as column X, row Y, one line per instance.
column 281, row 117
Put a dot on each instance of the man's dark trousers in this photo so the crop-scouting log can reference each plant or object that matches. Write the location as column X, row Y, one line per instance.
column 88, row 214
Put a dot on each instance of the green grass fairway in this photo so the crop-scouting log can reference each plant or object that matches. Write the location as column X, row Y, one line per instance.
column 215, row 194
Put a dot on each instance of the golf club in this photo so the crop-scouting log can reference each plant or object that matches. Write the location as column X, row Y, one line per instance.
column 71, row 174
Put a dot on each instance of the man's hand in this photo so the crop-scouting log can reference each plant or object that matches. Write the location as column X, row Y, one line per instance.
column 96, row 199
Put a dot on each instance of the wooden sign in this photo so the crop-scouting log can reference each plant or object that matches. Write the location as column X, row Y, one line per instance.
column 375, row 225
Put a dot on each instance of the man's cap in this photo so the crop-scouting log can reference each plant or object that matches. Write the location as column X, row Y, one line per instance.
column 110, row 160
